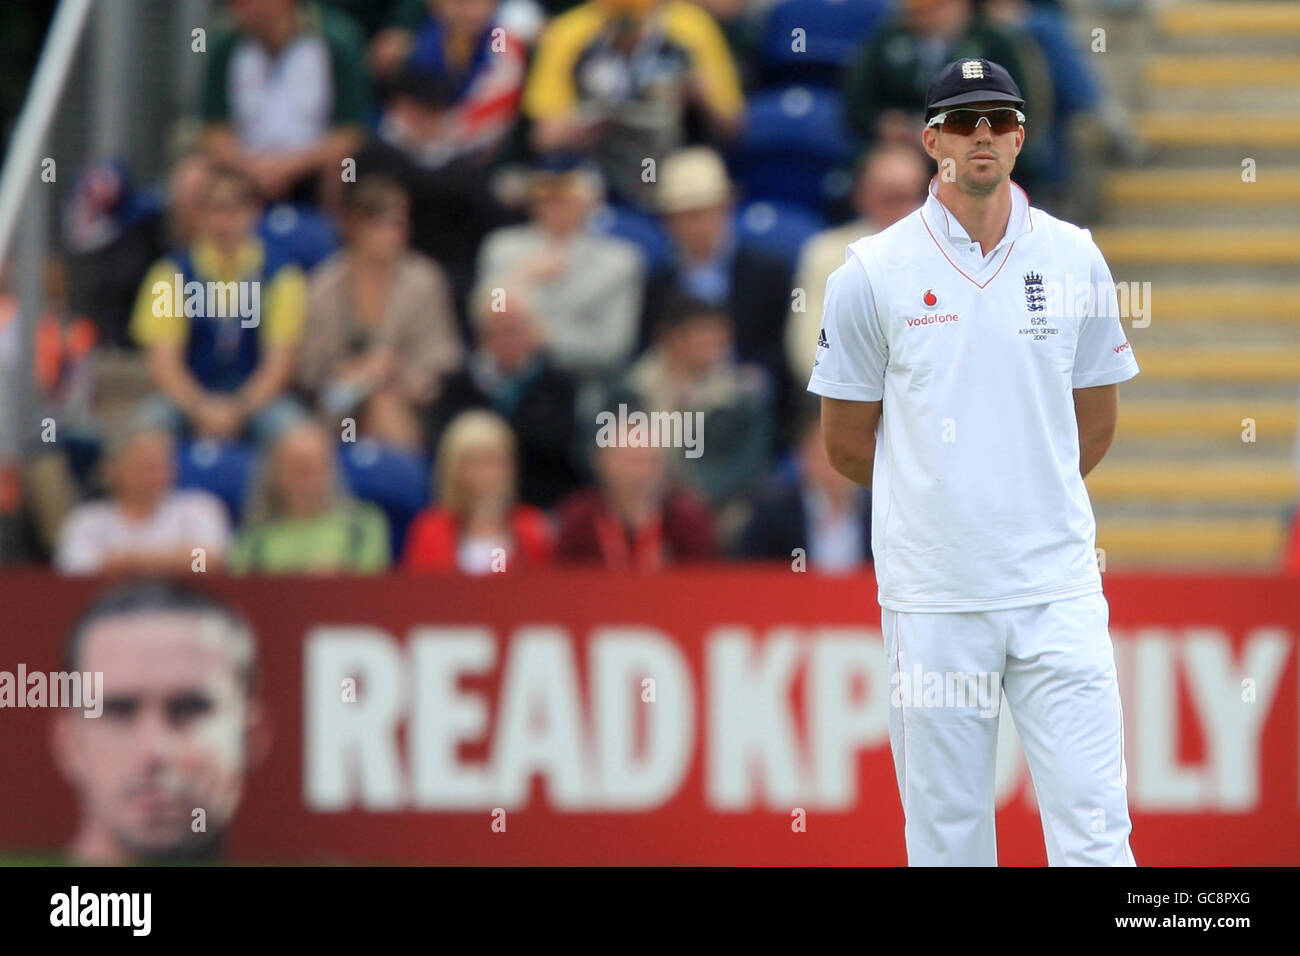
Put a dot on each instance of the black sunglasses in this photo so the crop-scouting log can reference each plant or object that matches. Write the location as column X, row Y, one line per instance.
column 963, row 122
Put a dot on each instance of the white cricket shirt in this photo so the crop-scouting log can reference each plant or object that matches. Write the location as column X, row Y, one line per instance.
column 977, row 500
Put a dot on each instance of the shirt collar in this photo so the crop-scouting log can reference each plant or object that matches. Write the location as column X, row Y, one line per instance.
column 941, row 218
column 248, row 260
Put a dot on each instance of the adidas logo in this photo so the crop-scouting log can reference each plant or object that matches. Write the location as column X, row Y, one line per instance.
column 821, row 340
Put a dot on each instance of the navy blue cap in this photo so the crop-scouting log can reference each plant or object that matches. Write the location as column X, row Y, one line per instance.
column 971, row 81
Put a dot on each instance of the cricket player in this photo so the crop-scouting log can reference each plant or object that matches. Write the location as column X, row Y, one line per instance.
column 968, row 364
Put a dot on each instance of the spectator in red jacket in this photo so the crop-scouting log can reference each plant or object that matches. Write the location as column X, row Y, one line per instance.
column 478, row 524
column 634, row 519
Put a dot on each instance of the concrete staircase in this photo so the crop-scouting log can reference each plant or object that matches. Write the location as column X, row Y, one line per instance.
column 1210, row 85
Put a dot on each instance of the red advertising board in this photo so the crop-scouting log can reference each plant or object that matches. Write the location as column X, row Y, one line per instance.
column 694, row 716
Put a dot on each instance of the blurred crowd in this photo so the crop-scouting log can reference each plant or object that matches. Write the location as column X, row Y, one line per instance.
column 469, row 227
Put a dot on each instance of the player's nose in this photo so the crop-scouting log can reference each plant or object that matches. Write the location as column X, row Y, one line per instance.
column 155, row 737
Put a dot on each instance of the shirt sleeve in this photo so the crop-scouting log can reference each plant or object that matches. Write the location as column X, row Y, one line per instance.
column 156, row 319
column 712, row 58
column 80, row 548
column 550, row 92
column 286, row 308
column 1103, row 355
column 852, row 351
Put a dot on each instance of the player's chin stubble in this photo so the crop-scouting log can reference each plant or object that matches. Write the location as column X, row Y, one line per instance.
column 975, row 184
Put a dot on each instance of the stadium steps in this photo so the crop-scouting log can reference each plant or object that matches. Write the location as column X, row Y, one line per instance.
column 1189, row 198
column 1206, row 420
column 1231, row 71
column 1196, row 302
column 1240, row 18
column 1236, row 129
column 1196, row 81
column 1204, row 246
column 1231, row 27
column 1204, row 313
column 1253, row 365
column 1181, row 487
column 1271, row 449
column 1179, row 543
column 1164, row 333
column 1208, row 85
column 1204, row 187
column 1222, row 78
column 1256, row 485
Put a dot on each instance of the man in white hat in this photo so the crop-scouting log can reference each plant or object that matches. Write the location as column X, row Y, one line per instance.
column 711, row 263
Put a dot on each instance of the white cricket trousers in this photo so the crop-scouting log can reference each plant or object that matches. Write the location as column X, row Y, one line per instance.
column 1056, row 665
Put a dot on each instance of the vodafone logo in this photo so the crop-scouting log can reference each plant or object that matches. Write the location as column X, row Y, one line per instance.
column 1122, row 348
column 933, row 319
column 930, row 299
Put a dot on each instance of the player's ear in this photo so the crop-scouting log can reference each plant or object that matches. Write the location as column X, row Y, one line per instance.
column 930, row 140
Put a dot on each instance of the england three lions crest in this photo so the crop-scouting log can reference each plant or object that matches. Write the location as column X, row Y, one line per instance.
column 1035, row 294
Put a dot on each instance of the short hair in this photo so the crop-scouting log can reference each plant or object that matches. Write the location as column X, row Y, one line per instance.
column 224, row 174
column 166, row 596
column 373, row 194
column 682, row 308
column 120, row 435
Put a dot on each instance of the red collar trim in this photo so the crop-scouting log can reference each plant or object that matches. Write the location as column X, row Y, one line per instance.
column 1028, row 215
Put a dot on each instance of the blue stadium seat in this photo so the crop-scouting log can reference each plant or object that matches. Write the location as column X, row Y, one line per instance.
column 614, row 219
column 795, row 147
column 396, row 481
column 307, row 235
column 834, row 31
column 225, row 470
column 780, row 228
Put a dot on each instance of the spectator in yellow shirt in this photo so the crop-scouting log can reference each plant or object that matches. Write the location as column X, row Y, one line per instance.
column 616, row 79
column 220, row 321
